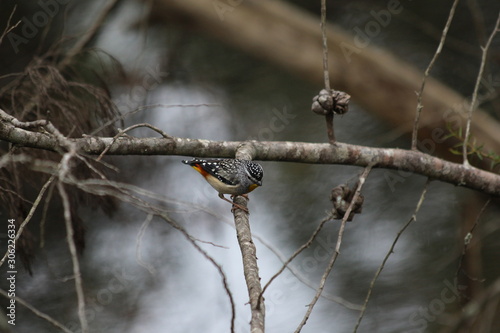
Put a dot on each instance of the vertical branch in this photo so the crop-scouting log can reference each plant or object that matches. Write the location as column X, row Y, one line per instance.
column 473, row 103
column 29, row 216
column 361, row 182
column 8, row 26
column 391, row 250
column 326, row 74
column 249, row 254
column 296, row 253
column 470, row 265
column 138, row 255
column 74, row 256
column 426, row 74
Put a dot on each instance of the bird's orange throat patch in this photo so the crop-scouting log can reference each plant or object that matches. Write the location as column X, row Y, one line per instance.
column 252, row 187
column 198, row 168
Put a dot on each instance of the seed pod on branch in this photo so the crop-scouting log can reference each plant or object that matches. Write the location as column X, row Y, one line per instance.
column 333, row 102
column 341, row 198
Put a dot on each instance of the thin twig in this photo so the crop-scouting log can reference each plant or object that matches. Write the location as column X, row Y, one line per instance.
column 295, row 254
column 63, row 174
column 326, row 74
column 472, row 105
column 426, row 74
column 138, row 254
column 9, row 28
column 74, row 257
column 44, row 215
column 123, row 116
column 329, row 128
column 122, row 192
column 192, row 240
column 37, row 312
column 391, row 250
column 230, row 223
column 468, row 237
column 97, row 186
column 361, row 181
column 30, row 215
column 122, row 132
column 295, row 272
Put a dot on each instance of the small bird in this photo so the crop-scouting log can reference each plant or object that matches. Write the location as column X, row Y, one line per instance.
column 229, row 176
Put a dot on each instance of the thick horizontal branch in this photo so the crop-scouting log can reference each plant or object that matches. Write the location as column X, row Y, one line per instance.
column 301, row 152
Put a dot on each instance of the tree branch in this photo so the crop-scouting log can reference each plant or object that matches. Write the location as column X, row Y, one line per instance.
column 420, row 106
column 286, row 151
column 333, row 259
column 473, row 103
column 37, row 312
column 249, row 252
column 388, row 254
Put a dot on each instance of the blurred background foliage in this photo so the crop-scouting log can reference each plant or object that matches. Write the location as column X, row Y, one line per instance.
column 190, row 84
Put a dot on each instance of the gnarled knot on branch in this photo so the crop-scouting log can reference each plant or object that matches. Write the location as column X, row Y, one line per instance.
column 331, row 102
column 341, row 198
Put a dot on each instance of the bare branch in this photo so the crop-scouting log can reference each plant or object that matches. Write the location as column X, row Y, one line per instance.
column 473, row 103
column 138, row 254
column 296, row 253
column 37, row 312
column 74, row 257
column 8, row 27
column 249, row 252
column 391, row 250
column 122, row 132
column 192, row 240
column 123, row 116
column 300, row 152
column 426, row 74
column 125, row 193
column 469, row 235
column 293, row 270
column 333, row 259
column 326, row 75
column 29, row 216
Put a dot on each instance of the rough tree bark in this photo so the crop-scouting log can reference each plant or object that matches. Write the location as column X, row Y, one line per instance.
column 302, row 152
